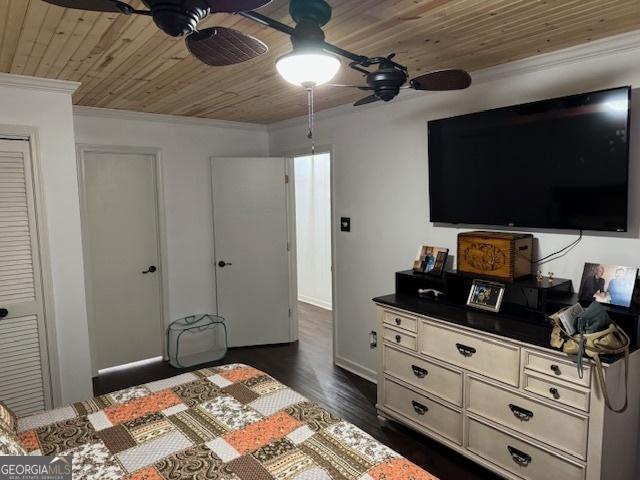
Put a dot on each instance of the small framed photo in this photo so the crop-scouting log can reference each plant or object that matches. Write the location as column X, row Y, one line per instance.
column 430, row 260
column 611, row 284
column 486, row 295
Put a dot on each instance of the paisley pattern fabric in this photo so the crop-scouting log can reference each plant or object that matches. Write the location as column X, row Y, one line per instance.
column 8, row 420
column 222, row 423
column 10, row 445
column 65, row 435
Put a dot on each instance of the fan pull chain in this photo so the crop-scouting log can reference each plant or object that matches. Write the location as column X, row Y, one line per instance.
column 310, row 135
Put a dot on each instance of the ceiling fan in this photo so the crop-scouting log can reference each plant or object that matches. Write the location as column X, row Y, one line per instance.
column 312, row 62
column 390, row 78
column 215, row 46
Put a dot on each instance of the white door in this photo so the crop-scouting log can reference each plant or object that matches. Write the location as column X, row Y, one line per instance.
column 120, row 229
column 24, row 378
column 252, row 261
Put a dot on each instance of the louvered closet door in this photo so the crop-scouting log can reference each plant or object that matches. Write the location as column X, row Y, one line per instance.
column 24, row 379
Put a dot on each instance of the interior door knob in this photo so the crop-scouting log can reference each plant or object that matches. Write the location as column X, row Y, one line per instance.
column 151, row 269
column 3, row 312
column 223, row 264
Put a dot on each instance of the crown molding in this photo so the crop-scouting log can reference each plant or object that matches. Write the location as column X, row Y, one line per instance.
column 623, row 43
column 81, row 111
column 37, row 83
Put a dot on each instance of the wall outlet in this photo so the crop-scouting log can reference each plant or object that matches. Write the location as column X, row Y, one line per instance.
column 373, row 339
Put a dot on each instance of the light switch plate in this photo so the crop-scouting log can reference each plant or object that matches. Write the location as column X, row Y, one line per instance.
column 345, row 224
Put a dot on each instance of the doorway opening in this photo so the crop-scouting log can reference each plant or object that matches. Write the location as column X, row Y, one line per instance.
column 313, row 233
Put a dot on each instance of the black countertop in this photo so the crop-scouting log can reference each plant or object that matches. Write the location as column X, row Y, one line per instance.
column 533, row 329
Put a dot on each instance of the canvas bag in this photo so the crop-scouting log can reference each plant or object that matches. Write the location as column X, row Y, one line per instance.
column 597, row 335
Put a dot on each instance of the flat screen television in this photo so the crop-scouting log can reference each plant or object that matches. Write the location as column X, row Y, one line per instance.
column 561, row 164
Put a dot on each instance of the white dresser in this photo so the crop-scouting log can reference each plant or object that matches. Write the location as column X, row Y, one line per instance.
column 519, row 409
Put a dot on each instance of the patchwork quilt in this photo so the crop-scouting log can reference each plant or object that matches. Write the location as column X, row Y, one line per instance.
column 231, row 423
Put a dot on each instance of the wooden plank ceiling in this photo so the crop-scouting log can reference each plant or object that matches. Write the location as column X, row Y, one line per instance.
column 125, row 62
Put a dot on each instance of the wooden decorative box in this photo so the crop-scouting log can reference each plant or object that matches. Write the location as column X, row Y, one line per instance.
column 494, row 254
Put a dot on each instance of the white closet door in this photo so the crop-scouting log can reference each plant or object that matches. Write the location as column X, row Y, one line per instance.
column 24, row 379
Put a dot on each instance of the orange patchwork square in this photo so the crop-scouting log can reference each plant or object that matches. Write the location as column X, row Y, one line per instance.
column 29, row 440
column 399, row 469
column 142, row 406
column 240, row 374
column 262, row 432
column 149, row 473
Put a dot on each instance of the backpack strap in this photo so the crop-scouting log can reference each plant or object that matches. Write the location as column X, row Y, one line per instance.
column 603, row 385
column 599, row 370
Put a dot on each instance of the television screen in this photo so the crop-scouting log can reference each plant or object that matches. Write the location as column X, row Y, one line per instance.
column 560, row 163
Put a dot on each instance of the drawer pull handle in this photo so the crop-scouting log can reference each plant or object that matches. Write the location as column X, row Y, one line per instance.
column 465, row 351
column 520, row 413
column 398, row 321
column 419, row 372
column 519, row 456
column 419, row 408
column 554, row 391
column 398, row 339
column 555, row 369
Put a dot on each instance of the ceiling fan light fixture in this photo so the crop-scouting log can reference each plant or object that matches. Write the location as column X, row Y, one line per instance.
column 308, row 68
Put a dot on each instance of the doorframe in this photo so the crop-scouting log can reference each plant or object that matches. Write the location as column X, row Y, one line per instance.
column 156, row 153
column 31, row 135
column 290, row 155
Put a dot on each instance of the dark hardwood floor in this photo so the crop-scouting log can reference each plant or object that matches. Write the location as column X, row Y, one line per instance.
column 307, row 367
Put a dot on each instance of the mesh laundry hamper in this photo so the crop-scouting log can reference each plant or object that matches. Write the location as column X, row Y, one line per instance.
column 196, row 339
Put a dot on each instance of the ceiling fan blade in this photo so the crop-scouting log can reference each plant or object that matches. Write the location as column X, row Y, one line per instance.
column 220, row 46
column 442, row 80
column 234, row 6
column 92, row 5
column 365, row 100
column 359, row 87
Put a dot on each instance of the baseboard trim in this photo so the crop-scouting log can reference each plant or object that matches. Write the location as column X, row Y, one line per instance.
column 357, row 369
column 315, row 302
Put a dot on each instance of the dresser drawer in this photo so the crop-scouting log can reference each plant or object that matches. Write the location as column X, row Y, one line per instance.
column 560, row 429
column 432, row 415
column 400, row 320
column 560, row 392
column 518, row 456
column 397, row 337
column 562, row 369
column 434, row 379
column 496, row 360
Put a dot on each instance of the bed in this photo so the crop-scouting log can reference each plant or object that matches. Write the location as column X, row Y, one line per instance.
column 230, row 422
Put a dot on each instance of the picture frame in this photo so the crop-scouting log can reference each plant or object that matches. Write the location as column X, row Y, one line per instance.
column 486, row 295
column 430, row 260
column 609, row 284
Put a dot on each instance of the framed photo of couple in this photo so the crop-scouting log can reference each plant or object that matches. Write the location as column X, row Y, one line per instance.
column 430, row 260
column 610, row 284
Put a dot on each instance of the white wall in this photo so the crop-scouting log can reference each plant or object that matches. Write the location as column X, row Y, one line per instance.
column 380, row 177
column 51, row 113
column 313, row 228
column 186, row 148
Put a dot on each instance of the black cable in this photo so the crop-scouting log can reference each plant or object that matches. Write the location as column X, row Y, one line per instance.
column 571, row 245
